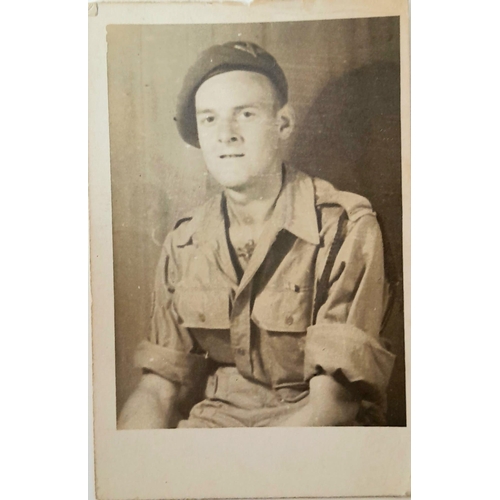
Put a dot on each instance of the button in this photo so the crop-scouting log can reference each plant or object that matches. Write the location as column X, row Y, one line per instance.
column 288, row 320
column 202, row 317
column 240, row 351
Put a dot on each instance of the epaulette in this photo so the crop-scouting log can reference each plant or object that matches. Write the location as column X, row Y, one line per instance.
column 183, row 231
column 182, row 220
column 355, row 205
column 188, row 224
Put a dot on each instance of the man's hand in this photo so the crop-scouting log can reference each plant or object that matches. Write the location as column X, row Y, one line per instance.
column 330, row 404
column 153, row 405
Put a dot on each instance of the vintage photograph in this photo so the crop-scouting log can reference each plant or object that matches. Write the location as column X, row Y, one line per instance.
column 249, row 236
column 257, row 224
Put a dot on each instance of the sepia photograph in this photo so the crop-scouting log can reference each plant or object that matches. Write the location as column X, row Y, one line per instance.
column 256, row 226
column 253, row 168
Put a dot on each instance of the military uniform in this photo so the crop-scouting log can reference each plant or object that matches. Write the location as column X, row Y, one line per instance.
column 253, row 337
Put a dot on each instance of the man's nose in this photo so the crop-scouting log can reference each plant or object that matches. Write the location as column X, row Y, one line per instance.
column 227, row 131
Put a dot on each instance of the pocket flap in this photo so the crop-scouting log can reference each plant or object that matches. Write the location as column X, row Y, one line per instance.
column 205, row 309
column 283, row 310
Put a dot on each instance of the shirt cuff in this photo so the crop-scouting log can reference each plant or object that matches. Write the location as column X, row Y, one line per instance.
column 361, row 359
column 176, row 366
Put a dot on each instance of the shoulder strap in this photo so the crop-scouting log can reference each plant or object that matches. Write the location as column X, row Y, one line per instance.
column 322, row 285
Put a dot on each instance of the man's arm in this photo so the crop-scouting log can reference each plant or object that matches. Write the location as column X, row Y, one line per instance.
column 344, row 340
column 153, row 405
column 166, row 358
column 330, row 404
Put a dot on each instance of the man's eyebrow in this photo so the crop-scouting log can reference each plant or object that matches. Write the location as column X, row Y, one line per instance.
column 237, row 108
column 250, row 105
column 204, row 111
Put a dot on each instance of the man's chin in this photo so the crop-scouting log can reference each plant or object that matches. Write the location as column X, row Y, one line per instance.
column 235, row 184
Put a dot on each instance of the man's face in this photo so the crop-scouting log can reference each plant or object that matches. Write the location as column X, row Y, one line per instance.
column 240, row 127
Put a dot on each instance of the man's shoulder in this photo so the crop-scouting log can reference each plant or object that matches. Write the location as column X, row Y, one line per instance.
column 329, row 198
column 332, row 204
column 189, row 222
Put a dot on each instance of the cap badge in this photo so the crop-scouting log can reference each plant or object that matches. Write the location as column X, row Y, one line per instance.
column 246, row 47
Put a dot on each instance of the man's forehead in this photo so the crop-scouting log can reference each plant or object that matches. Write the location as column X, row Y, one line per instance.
column 230, row 88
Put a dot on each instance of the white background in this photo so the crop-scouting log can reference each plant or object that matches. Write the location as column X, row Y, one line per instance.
column 44, row 253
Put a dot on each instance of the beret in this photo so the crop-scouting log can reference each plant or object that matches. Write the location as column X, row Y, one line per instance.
column 219, row 59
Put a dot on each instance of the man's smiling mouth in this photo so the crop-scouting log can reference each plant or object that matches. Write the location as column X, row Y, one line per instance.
column 231, row 156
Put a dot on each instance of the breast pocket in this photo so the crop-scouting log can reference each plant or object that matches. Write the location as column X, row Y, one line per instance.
column 283, row 309
column 283, row 316
column 202, row 309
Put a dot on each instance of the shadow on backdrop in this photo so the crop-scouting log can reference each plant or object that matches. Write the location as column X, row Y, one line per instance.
column 351, row 137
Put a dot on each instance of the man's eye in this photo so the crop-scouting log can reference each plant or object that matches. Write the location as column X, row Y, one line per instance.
column 248, row 114
column 207, row 119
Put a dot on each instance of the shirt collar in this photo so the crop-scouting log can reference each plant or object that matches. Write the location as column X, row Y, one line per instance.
column 295, row 210
column 297, row 206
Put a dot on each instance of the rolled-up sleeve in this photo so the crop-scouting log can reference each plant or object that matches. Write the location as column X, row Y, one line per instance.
column 345, row 337
column 169, row 351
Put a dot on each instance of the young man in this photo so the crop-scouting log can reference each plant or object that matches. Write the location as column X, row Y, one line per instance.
column 271, row 294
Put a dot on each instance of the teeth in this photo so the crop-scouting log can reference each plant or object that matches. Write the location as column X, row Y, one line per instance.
column 231, row 156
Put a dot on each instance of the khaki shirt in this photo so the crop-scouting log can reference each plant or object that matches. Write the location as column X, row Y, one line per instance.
column 263, row 323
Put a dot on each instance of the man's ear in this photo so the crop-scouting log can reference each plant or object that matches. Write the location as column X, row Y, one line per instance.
column 286, row 121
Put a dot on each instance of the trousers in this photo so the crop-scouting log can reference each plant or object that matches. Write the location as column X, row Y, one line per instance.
column 231, row 400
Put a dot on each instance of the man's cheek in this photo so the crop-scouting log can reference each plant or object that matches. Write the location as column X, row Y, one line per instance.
column 205, row 139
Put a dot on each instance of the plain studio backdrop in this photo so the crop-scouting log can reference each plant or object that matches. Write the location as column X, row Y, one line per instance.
column 343, row 78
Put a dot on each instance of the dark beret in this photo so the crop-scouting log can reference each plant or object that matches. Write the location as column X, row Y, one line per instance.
column 219, row 59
